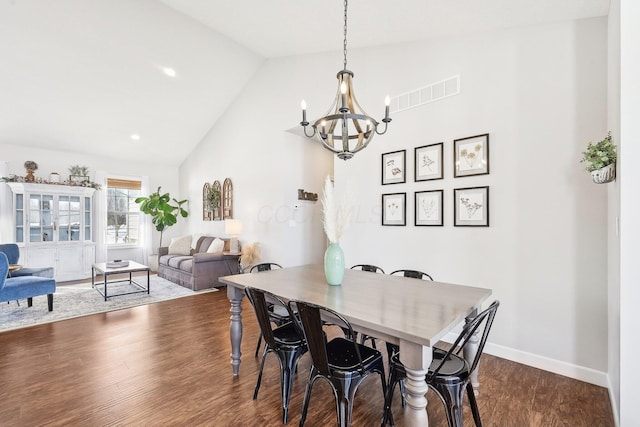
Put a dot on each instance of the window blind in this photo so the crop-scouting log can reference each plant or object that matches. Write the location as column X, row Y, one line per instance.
column 124, row 183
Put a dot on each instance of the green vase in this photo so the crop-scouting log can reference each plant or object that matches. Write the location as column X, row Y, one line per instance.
column 334, row 264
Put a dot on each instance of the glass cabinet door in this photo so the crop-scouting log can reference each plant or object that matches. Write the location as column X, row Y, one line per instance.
column 87, row 218
column 68, row 218
column 19, row 218
column 41, row 224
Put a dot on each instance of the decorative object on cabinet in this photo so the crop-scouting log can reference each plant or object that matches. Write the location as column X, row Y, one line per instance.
column 53, row 225
column 54, row 178
column 31, row 167
column 163, row 213
column 216, row 211
column 394, row 209
column 471, row 156
column 393, row 167
column 78, row 175
column 601, row 160
column 354, row 127
column 428, row 208
column 471, row 207
column 21, row 179
column 428, row 162
column 227, row 199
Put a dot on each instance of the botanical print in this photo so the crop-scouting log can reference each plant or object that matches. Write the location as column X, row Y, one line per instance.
column 393, row 167
column 393, row 209
column 471, row 207
column 427, row 162
column 429, row 208
column 470, row 156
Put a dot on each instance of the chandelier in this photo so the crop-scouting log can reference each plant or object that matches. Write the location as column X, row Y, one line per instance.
column 346, row 128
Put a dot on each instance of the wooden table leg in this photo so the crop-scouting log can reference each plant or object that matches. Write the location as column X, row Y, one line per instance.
column 235, row 296
column 416, row 360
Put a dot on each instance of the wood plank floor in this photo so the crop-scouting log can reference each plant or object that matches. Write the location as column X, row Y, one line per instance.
column 167, row 364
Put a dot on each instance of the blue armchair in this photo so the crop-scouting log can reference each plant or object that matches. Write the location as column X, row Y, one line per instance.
column 16, row 288
column 12, row 252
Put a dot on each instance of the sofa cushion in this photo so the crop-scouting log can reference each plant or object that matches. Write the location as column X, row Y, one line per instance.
column 180, row 245
column 216, row 246
column 175, row 261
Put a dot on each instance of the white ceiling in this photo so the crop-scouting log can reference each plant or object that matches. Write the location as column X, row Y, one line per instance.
column 83, row 75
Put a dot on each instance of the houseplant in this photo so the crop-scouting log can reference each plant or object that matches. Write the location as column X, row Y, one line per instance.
column 164, row 214
column 30, row 166
column 601, row 160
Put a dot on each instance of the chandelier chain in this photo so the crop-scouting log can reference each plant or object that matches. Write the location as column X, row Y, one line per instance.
column 345, row 34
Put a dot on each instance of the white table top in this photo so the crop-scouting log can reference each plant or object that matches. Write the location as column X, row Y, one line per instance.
column 133, row 266
column 388, row 307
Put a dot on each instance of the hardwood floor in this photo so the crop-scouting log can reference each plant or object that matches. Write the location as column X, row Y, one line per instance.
column 167, row 364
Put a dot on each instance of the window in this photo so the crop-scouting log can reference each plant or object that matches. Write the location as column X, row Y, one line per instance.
column 123, row 213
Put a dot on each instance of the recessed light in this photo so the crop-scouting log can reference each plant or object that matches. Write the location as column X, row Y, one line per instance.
column 135, row 137
column 169, row 71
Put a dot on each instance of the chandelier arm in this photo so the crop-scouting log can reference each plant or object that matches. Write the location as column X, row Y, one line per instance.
column 304, row 127
column 386, row 123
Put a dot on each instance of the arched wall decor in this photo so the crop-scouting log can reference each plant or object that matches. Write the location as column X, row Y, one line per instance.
column 227, row 199
column 217, row 213
column 206, row 212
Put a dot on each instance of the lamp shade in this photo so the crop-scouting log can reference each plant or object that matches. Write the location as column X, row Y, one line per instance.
column 232, row 226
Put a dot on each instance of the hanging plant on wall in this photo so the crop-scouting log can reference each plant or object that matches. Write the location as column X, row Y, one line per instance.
column 213, row 198
column 601, row 160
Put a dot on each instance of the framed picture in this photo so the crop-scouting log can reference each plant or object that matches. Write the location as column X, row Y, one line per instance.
column 471, row 156
column 393, row 167
column 428, row 208
column 78, row 179
column 394, row 209
column 428, row 164
column 471, row 207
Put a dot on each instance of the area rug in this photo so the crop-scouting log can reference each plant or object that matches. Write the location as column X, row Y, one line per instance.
column 71, row 301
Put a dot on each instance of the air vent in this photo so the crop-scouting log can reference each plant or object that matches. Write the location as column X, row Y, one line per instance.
column 426, row 94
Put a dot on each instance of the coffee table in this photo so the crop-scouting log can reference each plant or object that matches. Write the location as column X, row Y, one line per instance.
column 101, row 267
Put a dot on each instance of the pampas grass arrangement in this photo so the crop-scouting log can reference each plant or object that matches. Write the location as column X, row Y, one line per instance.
column 335, row 217
column 250, row 255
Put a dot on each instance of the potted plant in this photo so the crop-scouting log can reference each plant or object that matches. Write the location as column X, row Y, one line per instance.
column 601, row 160
column 163, row 213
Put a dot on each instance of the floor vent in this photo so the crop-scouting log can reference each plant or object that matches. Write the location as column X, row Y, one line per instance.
column 426, row 94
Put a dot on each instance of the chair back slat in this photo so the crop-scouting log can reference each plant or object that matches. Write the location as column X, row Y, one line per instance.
column 258, row 299
column 310, row 316
column 265, row 266
column 414, row 274
column 368, row 267
column 483, row 320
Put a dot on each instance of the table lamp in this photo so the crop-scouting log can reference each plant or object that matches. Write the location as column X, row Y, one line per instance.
column 233, row 227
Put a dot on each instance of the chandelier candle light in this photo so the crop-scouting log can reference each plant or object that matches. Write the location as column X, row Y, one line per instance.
column 346, row 128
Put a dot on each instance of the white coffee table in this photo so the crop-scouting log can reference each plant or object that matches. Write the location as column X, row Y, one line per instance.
column 101, row 267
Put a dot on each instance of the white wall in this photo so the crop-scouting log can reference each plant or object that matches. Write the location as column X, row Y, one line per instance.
column 630, row 229
column 60, row 161
column 267, row 166
column 541, row 94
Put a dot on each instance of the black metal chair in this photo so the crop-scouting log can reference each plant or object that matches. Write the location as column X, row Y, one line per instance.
column 368, row 267
column 449, row 374
column 286, row 341
column 278, row 315
column 415, row 274
column 342, row 362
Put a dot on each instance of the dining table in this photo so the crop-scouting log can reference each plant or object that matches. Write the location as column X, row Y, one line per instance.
column 411, row 313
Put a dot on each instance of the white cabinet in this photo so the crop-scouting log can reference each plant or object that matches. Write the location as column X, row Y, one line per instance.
column 54, row 228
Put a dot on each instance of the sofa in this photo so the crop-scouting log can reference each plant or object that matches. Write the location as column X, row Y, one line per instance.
column 197, row 264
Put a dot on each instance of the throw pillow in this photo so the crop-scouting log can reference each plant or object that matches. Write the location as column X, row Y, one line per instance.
column 194, row 240
column 180, row 245
column 216, row 246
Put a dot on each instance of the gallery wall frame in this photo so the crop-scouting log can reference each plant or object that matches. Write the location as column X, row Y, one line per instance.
column 429, row 208
column 394, row 167
column 471, row 156
column 394, row 209
column 428, row 162
column 471, row 207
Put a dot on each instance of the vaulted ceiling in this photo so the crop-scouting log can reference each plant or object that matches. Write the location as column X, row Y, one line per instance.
column 86, row 75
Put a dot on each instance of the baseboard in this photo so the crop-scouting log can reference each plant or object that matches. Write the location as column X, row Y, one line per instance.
column 614, row 404
column 545, row 363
